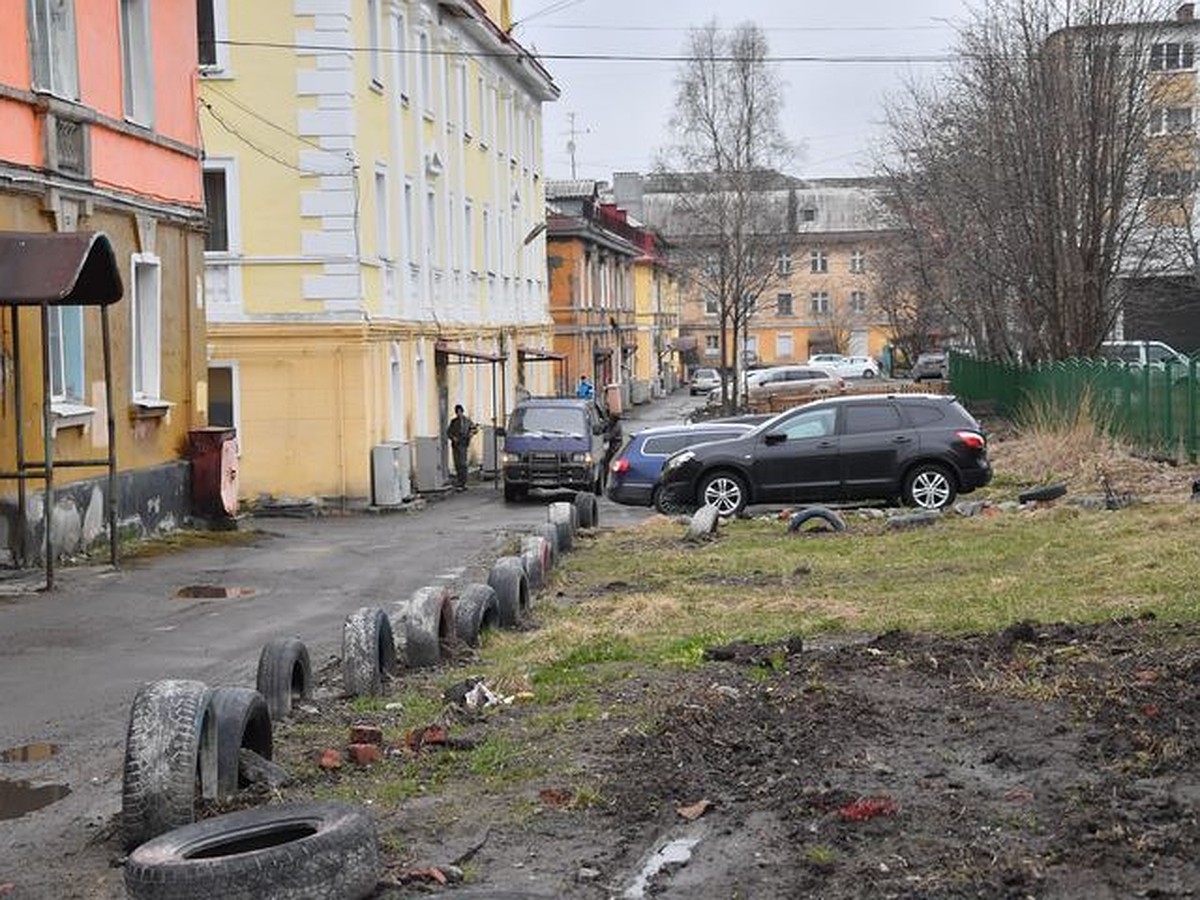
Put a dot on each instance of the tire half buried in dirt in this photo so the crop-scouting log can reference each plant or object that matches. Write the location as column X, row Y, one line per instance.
column 507, row 578
column 429, row 628
column 475, row 611
column 284, row 675
column 286, row 852
column 368, row 651
column 172, row 736
column 243, row 720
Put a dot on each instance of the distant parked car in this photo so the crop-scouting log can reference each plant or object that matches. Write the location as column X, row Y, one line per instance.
column 794, row 383
column 846, row 366
column 635, row 469
column 1143, row 353
column 930, row 364
column 704, row 380
column 922, row 448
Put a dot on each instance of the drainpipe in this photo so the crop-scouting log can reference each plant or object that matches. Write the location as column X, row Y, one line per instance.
column 341, row 426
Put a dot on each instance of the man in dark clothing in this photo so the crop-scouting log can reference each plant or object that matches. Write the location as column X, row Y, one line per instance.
column 459, row 432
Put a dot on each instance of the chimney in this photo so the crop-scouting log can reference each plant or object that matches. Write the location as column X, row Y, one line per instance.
column 1186, row 12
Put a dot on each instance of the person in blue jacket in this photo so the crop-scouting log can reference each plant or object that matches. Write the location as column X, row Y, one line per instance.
column 585, row 391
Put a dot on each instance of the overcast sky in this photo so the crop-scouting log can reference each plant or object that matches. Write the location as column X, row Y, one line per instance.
column 833, row 109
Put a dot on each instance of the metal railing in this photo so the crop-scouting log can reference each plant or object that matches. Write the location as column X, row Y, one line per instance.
column 1153, row 407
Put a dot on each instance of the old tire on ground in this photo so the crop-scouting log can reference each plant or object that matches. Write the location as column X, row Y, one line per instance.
column 726, row 491
column 285, row 852
column 531, row 560
column 1045, row 492
column 368, row 651
column 703, row 523
column 659, row 500
column 929, row 486
column 588, row 509
column 560, row 516
column 172, row 736
column 429, row 632
column 549, row 531
column 514, row 493
column 816, row 513
column 284, row 675
column 475, row 611
column 243, row 720
column 507, row 579
column 541, row 547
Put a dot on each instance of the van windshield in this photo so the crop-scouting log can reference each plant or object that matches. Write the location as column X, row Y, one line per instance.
column 549, row 421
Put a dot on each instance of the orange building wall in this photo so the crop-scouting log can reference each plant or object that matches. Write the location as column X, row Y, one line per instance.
column 14, row 46
column 19, row 141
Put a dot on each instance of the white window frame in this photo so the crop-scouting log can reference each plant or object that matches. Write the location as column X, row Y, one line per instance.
column 233, row 225
column 221, row 68
column 858, row 302
column 712, row 344
column 784, row 263
column 1172, row 56
column 431, row 228
column 785, row 345
column 374, row 45
column 487, row 240
column 137, row 62
column 712, row 304
column 54, row 51
column 818, row 303
column 383, row 214
column 146, row 329
column 425, row 72
column 400, row 56
column 779, row 304
column 1161, row 120
column 67, row 348
column 410, row 225
column 858, row 262
column 464, row 99
column 818, row 261
column 469, row 263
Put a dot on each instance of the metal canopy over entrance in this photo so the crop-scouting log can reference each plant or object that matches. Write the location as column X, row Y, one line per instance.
column 44, row 270
column 537, row 354
column 460, row 356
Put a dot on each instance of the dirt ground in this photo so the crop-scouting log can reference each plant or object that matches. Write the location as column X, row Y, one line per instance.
column 1047, row 761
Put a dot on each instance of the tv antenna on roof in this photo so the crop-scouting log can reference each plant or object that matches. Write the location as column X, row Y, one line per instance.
column 572, row 131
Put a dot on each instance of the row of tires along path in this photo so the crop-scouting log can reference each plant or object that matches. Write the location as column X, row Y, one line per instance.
column 187, row 740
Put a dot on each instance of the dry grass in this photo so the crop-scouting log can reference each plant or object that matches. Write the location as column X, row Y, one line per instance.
column 1051, row 443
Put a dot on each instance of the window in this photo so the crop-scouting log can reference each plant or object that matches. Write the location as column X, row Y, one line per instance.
column 712, row 344
column 482, row 95
column 783, row 305
column 469, row 237
column 813, row 424
column 858, row 302
column 808, row 215
column 66, row 353
column 212, row 32
column 52, row 39
column 431, row 229
column 869, row 418
column 711, row 266
column 784, row 347
column 383, row 218
column 784, row 264
column 858, row 261
column 426, row 63
column 222, row 395
column 374, row 50
column 147, row 324
column 752, row 345
column 400, row 57
column 137, row 62
column 410, row 245
column 464, row 99
column 220, row 204
column 487, row 240
column 1170, row 120
column 818, row 262
column 1171, row 184
column 819, row 302
column 712, row 305
column 1165, row 57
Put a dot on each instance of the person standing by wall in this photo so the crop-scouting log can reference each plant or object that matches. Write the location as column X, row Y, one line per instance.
column 459, row 432
column 585, row 391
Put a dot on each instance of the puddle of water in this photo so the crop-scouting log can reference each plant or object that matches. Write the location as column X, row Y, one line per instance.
column 212, row 592
column 20, row 797
column 29, row 752
column 678, row 850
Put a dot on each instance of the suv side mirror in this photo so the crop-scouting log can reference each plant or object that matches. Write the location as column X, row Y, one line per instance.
column 597, row 428
column 774, row 437
column 501, row 431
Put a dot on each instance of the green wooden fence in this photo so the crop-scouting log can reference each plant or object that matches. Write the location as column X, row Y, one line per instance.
column 1153, row 408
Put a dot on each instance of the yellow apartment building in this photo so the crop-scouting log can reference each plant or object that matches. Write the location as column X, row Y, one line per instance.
column 376, row 247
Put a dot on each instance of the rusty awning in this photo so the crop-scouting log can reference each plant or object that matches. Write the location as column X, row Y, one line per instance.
column 537, row 353
column 462, row 353
column 62, row 269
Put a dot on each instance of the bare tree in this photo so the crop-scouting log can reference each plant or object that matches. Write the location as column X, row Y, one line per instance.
column 733, row 214
column 1022, row 182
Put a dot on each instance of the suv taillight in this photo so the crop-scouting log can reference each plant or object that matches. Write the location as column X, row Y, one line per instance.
column 973, row 439
column 619, row 466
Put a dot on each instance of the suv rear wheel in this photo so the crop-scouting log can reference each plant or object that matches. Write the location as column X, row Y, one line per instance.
column 929, row 486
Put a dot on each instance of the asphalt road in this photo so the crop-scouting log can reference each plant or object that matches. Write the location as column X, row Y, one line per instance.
column 71, row 660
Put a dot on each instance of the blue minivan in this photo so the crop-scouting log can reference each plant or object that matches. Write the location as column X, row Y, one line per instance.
column 555, row 443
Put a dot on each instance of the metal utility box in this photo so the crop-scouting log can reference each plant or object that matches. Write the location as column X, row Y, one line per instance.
column 430, row 464
column 214, row 456
column 391, row 474
column 490, row 445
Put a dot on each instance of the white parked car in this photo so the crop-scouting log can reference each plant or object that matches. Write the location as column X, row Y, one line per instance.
column 846, row 366
column 704, row 380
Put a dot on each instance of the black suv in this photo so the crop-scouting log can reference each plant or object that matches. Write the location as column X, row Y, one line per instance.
column 923, row 449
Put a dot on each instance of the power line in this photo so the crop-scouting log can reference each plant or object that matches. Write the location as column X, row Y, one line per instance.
column 890, row 59
column 770, row 29
column 550, row 9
